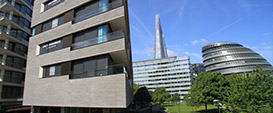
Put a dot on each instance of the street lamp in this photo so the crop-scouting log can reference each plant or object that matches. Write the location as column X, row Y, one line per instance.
column 217, row 101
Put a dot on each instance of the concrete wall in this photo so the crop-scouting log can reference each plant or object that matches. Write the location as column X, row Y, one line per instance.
column 107, row 91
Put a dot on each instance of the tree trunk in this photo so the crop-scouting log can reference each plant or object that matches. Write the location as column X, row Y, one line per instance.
column 206, row 107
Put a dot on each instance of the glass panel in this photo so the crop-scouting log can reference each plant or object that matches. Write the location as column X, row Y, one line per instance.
column 60, row 20
column 44, row 48
column 78, row 69
column 80, row 12
column 90, row 67
column 102, row 31
column 91, row 7
column 56, row 45
column 102, row 66
column 92, row 33
column 102, row 5
column 79, row 37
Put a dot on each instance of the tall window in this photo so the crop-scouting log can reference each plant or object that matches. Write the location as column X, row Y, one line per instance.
column 14, row 77
column 52, row 70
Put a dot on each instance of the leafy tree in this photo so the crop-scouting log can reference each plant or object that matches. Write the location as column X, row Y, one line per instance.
column 251, row 92
column 136, row 87
column 175, row 98
column 160, row 95
column 142, row 96
column 206, row 88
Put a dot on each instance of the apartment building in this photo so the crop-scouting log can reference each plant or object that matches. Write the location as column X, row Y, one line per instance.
column 15, row 18
column 79, row 58
column 172, row 73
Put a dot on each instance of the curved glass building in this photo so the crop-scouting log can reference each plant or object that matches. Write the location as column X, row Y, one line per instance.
column 227, row 58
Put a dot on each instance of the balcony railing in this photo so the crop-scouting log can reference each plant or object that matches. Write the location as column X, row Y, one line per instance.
column 100, row 39
column 108, row 70
column 17, row 7
column 13, row 64
column 105, row 8
column 18, row 34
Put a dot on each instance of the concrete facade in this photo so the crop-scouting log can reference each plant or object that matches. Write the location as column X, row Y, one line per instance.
column 107, row 91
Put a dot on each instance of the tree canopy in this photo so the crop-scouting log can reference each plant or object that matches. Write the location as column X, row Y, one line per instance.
column 248, row 92
column 160, row 95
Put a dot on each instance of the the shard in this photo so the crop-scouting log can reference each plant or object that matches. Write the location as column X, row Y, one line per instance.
column 159, row 43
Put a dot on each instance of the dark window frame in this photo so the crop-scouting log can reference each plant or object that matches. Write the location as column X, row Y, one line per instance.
column 51, row 3
column 46, row 70
column 47, row 44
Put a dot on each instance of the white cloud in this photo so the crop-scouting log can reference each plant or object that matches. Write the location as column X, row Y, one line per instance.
column 267, row 47
column 203, row 40
column 263, row 43
column 268, row 33
column 193, row 54
column 194, row 42
column 171, row 53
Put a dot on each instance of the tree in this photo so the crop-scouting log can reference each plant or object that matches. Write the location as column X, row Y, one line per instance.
column 142, row 96
column 251, row 92
column 160, row 95
column 136, row 87
column 206, row 88
column 175, row 98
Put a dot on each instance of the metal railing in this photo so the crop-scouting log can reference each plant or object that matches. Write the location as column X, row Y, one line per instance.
column 97, row 40
column 105, row 8
column 108, row 70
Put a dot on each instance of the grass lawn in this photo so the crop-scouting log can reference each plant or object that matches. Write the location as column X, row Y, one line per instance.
column 188, row 109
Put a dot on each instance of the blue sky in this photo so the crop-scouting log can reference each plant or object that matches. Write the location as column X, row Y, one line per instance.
column 188, row 25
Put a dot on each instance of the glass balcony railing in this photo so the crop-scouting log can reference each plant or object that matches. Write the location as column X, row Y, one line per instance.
column 18, row 34
column 21, row 8
column 13, row 64
column 105, row 8
column 100, row 39
column 108, row 70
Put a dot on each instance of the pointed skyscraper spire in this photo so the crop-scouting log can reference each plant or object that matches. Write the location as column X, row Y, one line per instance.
column 159, row 44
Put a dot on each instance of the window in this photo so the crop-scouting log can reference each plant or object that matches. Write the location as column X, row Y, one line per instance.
column 53, row 23
column 15, row 62
column 14, row 77
column 52, row 3
column 93, row 33
column 12, row 92
column 51, row 46
column 91, row 66
column 52, row 70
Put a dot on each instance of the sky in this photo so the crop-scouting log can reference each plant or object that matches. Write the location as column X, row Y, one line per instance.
column 188, row 25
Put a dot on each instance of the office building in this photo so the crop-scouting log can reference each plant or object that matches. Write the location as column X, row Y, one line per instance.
column 79, row 58
column 172, row 73
column 197, row 68
column 228, row 58
column 15, row 18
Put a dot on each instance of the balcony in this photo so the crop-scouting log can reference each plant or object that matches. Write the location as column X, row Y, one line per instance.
column 100, row 39
column 14, row 21
column 16, row 36
column 105, row 8
column 18, row 9
column 108, row 70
